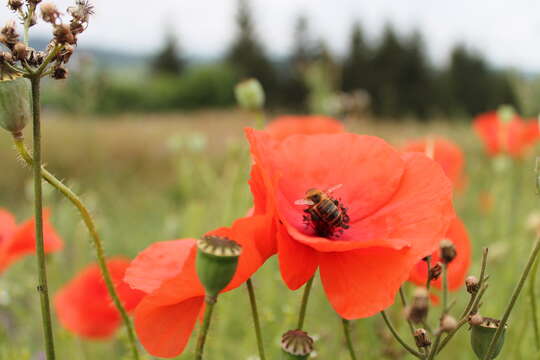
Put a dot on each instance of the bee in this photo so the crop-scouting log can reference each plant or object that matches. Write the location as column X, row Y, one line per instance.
column 324, row 213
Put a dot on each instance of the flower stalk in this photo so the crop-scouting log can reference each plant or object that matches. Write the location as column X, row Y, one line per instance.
column 256, row 320
column 347, row 331
column 210, row 303
column 303, row 305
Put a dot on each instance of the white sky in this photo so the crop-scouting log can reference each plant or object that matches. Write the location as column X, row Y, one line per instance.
column 507, row 32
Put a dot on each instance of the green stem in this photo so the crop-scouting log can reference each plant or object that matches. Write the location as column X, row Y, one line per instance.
column 210, row 303
column 347, row 331
column 303, row 306
column 513, row 299
column 38, row 207
column 27, row 22
column 89, row 222
column 256, row 321
column 534, row 308
column 398, row 338
column 435, row 347
column 428, row 281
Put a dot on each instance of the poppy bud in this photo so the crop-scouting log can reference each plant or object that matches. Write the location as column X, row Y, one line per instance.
column 418, row 310
column 448, row 323
column 15, row 5
column 435, row 271
column 296, row 344
column 217, row 259
column 15, row 107
column 421, row 338
column 20, row 51
column 448, row 251
column 59, row 72
column 476, row 320
column 472, row 284
column 481, row 336
column 506, row 113
column 49, row 12
column 250, row 94
column 62, row 33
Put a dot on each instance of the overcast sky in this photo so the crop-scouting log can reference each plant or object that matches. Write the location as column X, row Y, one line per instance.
column 507, row 32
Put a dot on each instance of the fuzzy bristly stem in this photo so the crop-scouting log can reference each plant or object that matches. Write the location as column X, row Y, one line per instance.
column 398, row 338
column 90, row 225
column 534, row 307
column 347, row 331
column 256, row 320
column 38, row 209
column 303, row 305
column 513, row 299
column 199, row 350
column 435, row 347
column 428, row 281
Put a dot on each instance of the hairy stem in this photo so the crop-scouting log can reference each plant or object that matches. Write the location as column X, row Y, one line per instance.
column 398, row 338
column 90, row 225
column 534, row 307
column 38, row 210
column 347, row 331
column 256, row 320
column 303, row 306
column 199, row 350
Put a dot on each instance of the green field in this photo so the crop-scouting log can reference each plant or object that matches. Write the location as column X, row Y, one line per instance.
column 149, row 178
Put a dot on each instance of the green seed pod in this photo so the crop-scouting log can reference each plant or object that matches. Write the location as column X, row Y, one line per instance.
column 15, row 104
column 250, row 94
column 296, row 345
column 481, row 336
column 217, row 259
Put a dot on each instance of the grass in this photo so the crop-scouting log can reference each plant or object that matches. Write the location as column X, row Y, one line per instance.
column 152, row 178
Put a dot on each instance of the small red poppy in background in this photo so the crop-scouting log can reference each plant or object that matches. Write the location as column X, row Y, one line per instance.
column 84, row 306
column 398, row 207
column 446, row 153
column 458, row 268
column 511, row 137
column 285, row 126
column 17, row 241
column 165, row 272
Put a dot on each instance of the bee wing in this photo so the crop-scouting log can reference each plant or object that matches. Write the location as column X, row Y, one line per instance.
column 333, row 188
column 304, row 202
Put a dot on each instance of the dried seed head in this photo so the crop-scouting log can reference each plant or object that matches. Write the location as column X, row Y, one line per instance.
column 448, row 251
column 65, row 53
column 10, row 36
column 419, row 307
column 448, row 323
column 59, row 72
column 421, row 338
column 81, row 11
column 472, row 284
column 15, row 5
column 49, row 12
column 435, row 271
column 476, row 319
column 63, row 35
column 20, row 51
column 297, row 343
column 34, row 57
column 34, row 2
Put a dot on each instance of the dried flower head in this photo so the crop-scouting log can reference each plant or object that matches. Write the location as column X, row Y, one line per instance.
column 435, row 271
column 10, row 36
column 34, row 57
column 472, row 284
column 421, row 338
column 419, row 308
column 81, row 11
column 63, row 35
column 49, row 12
column 65, row 54
column 448, row 251
column 20, row 51
column 59, row 72
column 15, row 5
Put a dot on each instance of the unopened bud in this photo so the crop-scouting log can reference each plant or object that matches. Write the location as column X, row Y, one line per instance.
column 481, row 336
column 15, row 108
column 15, row 4
column 506, row 113
column 250, row 94
column 435, row 271
column 448, row 323
column 49, row 12
column 59, row 72
column 476, row 319
column 217, row 260
column 296, row 344
column 472, row 284
column 448, row 251
column 20, row 51
column 66, row 53
column 421, row 338
column 63, row 35
column 418, row 310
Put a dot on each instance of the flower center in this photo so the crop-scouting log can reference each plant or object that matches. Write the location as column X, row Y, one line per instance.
column 326, row 216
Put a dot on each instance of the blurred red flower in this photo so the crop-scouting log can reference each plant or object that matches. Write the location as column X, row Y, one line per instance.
column 165, row 271
column 84, row 306
column 513, row 137
column 17, row 241
column 458, row 268
column 399, row 205
column 446, row 153
column 285, row 126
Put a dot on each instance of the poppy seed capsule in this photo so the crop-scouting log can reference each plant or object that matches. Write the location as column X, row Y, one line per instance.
column 481, row 336
column 448, row 251
column 421, row 338
column 217, row 260
column 250, row 94
column 15, row 104
column 296, row 344
column 472, row 284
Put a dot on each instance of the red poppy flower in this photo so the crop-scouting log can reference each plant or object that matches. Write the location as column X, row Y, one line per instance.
column 457, row 269
column 446, row 153
column 285, row 126
column 84, row 306
column 17, row 241
column 513, row 137
column 165, row 271
column 398, row 204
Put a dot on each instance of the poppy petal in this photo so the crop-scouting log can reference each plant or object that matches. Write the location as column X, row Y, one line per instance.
column 297, row 262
